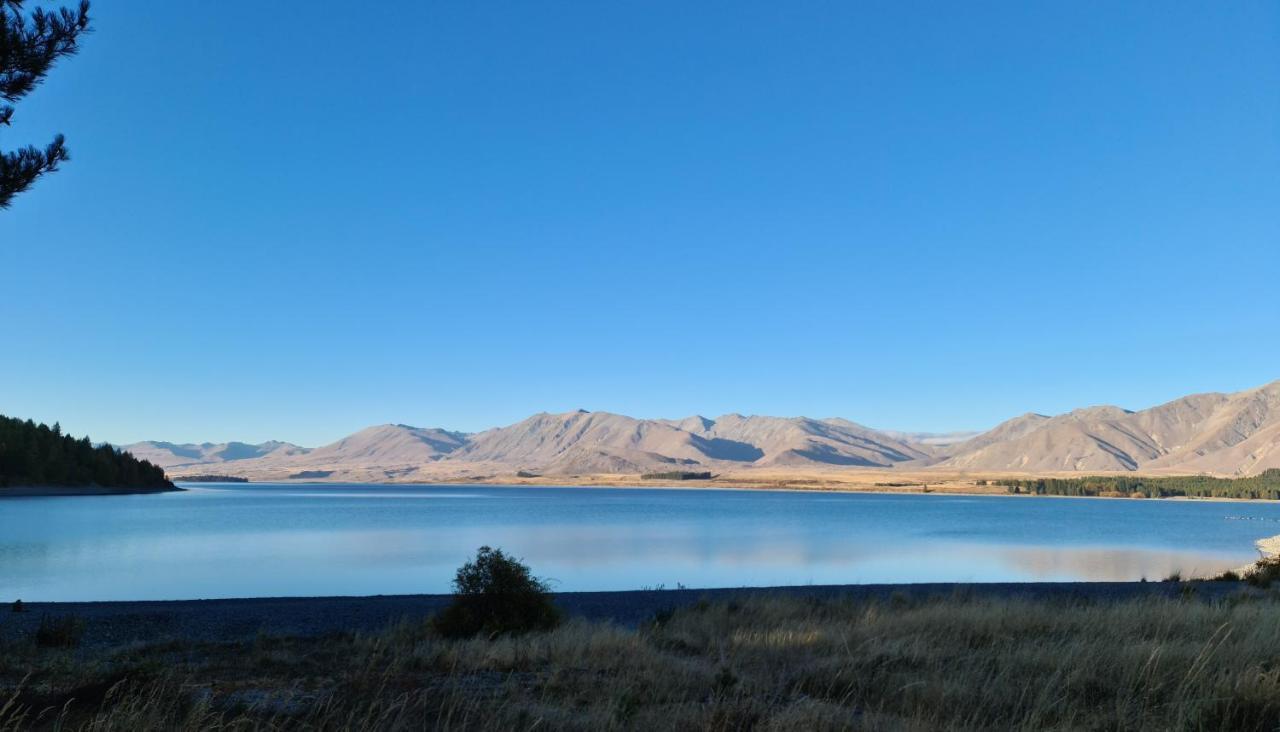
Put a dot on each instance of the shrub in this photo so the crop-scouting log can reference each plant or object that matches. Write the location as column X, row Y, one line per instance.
column 1264, row 572
column 496, row 594
column 61, row 632
column 17, row 606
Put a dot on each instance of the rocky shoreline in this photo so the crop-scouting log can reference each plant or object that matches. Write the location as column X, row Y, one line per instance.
column 229, row 620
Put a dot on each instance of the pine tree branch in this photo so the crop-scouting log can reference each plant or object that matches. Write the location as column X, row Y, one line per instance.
column 30, row 45
column 20, row 168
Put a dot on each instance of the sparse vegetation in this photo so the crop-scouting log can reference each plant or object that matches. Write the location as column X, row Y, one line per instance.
column 1265, row 485
column 1263, row 572
column 496, row 594
column 950, row 663
column 677, row 475
column 64, row 631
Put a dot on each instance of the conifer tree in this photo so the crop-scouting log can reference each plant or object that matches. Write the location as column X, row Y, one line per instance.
column 30, row 43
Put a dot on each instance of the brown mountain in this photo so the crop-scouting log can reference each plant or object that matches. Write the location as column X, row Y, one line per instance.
column 588, row 442
column 1217, row 433
column 584, row 442
column 169, row 455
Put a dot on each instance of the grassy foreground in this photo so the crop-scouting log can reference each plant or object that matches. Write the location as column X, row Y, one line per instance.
column 768, row 663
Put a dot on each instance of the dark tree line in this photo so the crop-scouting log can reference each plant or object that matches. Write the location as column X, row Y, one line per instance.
column 212, row 479
column 677, row 475
column 1264, row 485
column 39, row 455
column 30, row 43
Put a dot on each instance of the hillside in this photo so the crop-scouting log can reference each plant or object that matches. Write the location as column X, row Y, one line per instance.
column 39, row 456
column 170, row 455
column 1227, row 434
column 778, row 441
column 385, row 451
column 584, row 442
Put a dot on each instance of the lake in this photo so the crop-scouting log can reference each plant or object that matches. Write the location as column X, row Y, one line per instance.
column 244, row 540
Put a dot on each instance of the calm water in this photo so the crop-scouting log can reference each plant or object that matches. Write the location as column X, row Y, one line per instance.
column 270, row 540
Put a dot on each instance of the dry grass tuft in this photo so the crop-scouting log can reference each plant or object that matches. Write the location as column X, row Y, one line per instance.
column 949, row 663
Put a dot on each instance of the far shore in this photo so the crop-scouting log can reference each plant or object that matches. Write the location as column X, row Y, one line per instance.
column 859, row 480
column 76, row 490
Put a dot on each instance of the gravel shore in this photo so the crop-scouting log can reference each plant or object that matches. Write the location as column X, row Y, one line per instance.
column 114, row 623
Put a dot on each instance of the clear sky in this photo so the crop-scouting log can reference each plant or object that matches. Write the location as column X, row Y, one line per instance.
column 292, row 221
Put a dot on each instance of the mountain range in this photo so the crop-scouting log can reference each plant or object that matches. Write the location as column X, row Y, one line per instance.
column 1226, row 434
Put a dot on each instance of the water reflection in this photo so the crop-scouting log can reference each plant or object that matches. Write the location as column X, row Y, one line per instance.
column 279, row 540
column 1115, row 565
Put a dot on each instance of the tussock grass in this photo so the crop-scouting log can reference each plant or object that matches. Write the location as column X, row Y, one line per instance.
column 766, row 663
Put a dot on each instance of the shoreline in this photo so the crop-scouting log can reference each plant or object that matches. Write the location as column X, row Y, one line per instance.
column 728, row 485
column 79, row 490
column 117, row 622
column 1270, row 546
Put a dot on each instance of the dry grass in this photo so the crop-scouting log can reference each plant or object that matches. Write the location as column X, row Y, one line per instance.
column 765, row 664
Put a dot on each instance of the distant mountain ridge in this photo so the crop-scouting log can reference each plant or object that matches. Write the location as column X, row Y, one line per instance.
column 170, row 455
column 1231, row 434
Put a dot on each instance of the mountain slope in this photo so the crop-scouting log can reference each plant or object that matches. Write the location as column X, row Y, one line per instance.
column 1219, row 433
column 582, row 442
column 1238, row 433
column 782, row 441
column 170, row 455
column 579, row 442
column 386, row 445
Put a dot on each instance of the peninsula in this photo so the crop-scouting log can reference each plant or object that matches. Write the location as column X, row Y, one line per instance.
column 39, row 460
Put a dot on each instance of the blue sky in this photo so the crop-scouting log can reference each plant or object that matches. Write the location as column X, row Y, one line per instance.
column 286, row 223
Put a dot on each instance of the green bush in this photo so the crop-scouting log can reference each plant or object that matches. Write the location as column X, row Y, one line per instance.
column 496, row 594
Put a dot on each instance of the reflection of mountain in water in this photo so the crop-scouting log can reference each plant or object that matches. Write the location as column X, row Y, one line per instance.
column 1111, row 565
